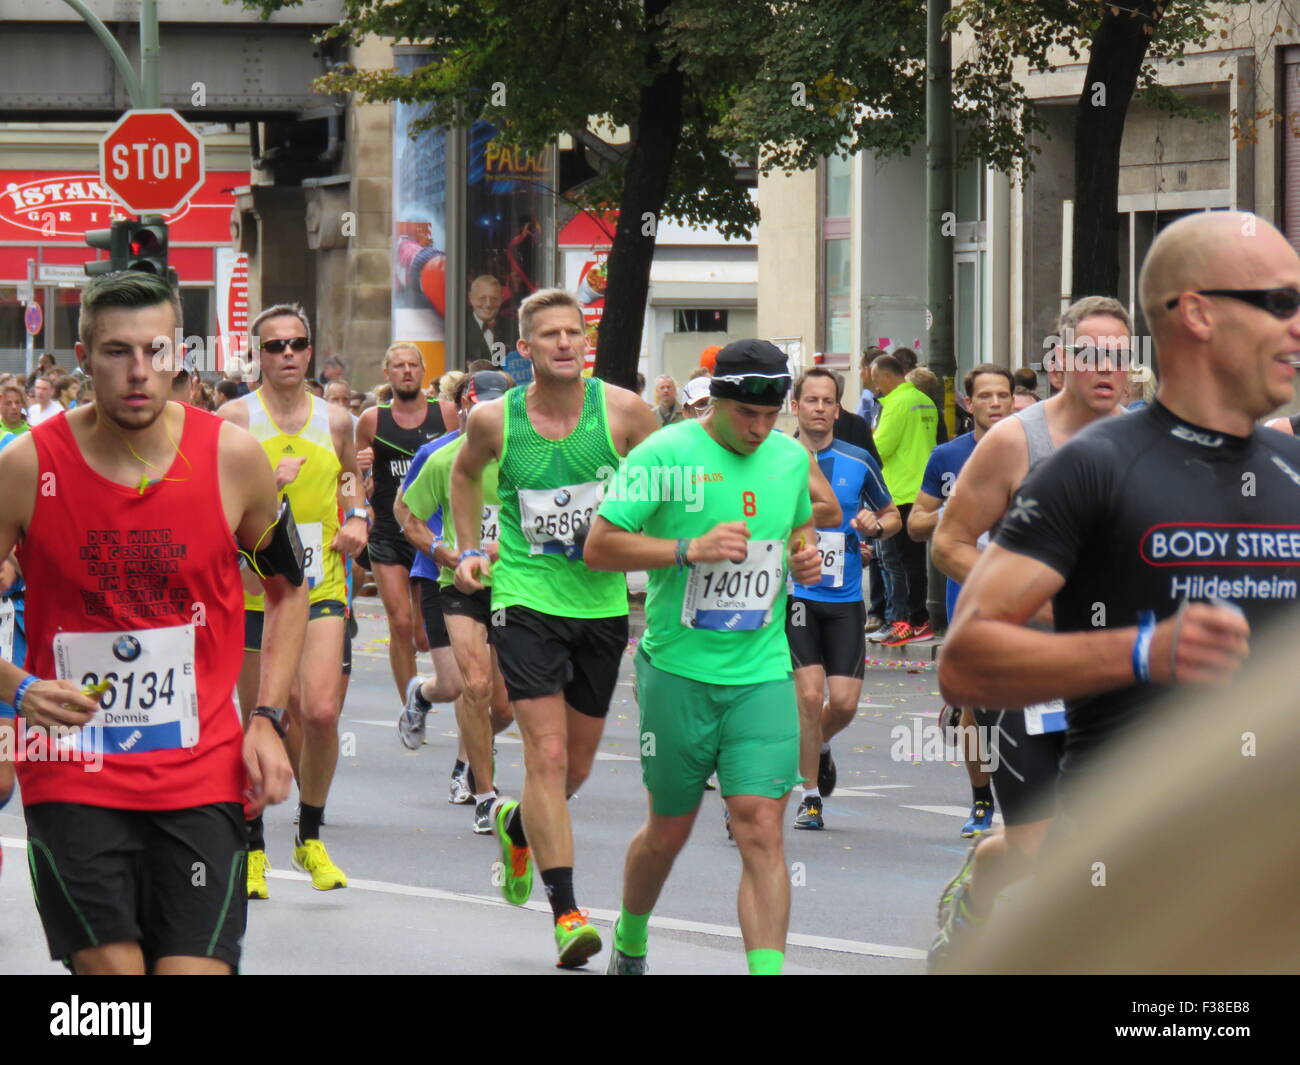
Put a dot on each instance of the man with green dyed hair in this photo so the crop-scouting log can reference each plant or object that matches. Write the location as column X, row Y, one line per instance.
column 713, row 668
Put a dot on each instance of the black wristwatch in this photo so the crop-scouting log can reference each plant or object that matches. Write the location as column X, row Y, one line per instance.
column 274, row 714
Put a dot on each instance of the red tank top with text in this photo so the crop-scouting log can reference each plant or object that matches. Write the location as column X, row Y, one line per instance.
column 143, row 590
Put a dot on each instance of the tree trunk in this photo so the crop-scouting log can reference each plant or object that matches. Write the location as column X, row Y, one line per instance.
column 656, row 136
column 1117, row 54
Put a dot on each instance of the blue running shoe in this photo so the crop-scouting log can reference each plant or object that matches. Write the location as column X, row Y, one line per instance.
column 981, row 821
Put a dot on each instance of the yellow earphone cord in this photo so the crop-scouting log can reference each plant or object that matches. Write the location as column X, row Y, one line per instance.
column 144, row 480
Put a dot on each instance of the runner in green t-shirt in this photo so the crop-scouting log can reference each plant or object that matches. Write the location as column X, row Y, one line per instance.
column 562, row 629
column 483, row 708
column 718, row 511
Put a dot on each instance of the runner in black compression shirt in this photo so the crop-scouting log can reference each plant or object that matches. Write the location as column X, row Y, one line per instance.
column 1185, row 510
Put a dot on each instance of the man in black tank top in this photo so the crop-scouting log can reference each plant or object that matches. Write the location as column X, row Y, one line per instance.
column 1163, row 538
column 387, row 438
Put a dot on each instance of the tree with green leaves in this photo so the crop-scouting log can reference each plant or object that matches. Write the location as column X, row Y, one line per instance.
column 1122, row 41
column 704, row 87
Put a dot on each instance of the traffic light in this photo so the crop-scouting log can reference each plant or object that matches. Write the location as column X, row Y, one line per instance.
column 116, row 241
column 148, row 245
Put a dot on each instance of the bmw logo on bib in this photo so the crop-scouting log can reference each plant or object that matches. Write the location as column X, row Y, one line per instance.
column 126, row 648
column 562, row 498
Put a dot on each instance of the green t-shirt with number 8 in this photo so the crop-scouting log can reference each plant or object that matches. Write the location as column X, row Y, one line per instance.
column 721, row 623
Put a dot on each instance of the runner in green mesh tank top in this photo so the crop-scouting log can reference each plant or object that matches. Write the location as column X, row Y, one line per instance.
column 559, row 628
column 549, row 490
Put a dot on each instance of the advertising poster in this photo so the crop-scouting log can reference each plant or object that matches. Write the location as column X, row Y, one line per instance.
column 509, row 215
column 419, row 231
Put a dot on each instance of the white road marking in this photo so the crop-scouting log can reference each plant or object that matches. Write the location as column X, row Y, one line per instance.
column 866, row 791
column 839, row 946
column 949, row 811
column 601, row 756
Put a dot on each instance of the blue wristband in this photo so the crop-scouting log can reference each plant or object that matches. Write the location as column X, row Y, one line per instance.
column 27, row 682
column 472, row 552
column 1142, row 645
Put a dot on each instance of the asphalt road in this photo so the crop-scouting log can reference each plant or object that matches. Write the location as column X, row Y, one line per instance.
column 421, row 900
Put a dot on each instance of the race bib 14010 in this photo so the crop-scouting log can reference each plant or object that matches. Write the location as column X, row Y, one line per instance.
column 551, row 517
column 735, row 596
column 153, row 704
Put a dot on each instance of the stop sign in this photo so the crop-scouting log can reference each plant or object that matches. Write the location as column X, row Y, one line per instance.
column 151, row 161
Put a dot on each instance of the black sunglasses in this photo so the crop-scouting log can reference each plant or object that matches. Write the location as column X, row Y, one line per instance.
column 276, row 347
column 1279, row 302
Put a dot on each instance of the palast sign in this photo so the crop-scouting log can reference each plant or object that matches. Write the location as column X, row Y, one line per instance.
column 151, row 161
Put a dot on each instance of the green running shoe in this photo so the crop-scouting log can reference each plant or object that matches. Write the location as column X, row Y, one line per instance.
column 575, row 940
column 516, row 865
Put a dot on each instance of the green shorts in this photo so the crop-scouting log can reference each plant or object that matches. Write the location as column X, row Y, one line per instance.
column 749, row 733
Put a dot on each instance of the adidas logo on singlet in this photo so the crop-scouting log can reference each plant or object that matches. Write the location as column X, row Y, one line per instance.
column 288, row 450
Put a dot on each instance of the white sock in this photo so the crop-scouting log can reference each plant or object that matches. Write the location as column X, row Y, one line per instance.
column 811, row 793
column 478, row 799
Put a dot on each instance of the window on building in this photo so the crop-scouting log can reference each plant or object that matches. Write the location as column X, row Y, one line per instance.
column 837, row 264
column 696, row 321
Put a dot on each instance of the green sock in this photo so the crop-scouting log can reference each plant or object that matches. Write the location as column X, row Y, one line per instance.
column 631, row 932
column 764, row 962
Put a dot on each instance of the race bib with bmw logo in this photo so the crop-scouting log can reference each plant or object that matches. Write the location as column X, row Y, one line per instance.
column 153, row 704
column 552, row 518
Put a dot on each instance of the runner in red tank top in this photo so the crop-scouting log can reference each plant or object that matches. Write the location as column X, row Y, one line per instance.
column 127, row 514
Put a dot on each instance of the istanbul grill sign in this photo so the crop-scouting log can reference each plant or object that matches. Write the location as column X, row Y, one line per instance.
column 63, row 207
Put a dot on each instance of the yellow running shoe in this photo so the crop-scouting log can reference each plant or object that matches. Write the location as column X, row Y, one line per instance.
column 575, row 940
column 311, row 857
column 257, row 867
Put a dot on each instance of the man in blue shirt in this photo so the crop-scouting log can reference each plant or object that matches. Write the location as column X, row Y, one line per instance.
column 989, row 389
column 824, row 621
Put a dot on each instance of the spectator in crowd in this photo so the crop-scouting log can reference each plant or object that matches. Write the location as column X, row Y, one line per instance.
column 695, row 396
column 13, row 407
column 905, row 436
column 667, row 408
column 907, row 357
column 226, row 391
column 1026, row 377
column 45, row 366
column 235, row 373
column 43, row 405
column 709, row 358
column 67, row 391
column 447, row 385
column 316, row 388
column 339, row 393
column 640, row 384
column 384, row 393
column 335, row 369
column 928, row 382
column 479, row 365
column 357, row 403
column 184, row 388
column 1023, row 398
column 868, row 404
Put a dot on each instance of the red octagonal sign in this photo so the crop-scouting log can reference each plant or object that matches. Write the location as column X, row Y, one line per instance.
column 152, row 161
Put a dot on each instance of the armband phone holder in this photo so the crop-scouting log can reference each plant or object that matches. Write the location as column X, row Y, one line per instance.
column 283, row 556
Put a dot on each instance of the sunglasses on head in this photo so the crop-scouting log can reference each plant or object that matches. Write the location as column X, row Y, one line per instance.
column 276, row 347
column 1279, row 302
column 757, row 382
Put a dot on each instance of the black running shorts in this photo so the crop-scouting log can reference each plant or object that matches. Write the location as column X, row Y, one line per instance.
column 476, row 605
column 435, row 625
column 829, row 635
column 390, row 551
column 1028, row 767
column 173, row 881
column 255, row 623
column 542, row 654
